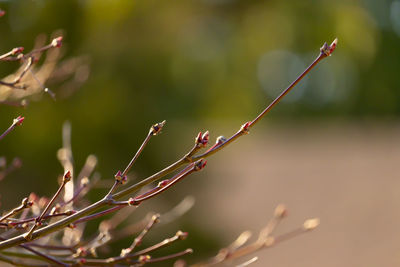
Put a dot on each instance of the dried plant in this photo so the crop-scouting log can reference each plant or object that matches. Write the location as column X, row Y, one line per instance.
column 49, row 232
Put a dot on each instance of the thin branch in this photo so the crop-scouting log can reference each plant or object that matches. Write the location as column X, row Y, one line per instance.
column 24, row 204
column 14, row 52
column 66, row 179
column 47, row 216
column 121, row 178
column 16, row 122
column 138, row 240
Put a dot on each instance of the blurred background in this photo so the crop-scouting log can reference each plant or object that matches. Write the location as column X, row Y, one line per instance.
column 331, row 149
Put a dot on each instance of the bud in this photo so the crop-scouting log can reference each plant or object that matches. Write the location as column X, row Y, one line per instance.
column 163, row 183
column 156, row 128
column 220, row 140
column 245, row 127
column 70, row 212
column 17, row 50
column 26, row 203
column 144, row 258
column 201, row 140
column 2, row 13
column 57, row 42
column 181, row 235
column 199, row 165
column 122, row 179
column 132, row 202
column 328, row 49
column 18, row 120
column 333, row 45
column 67, row 177
column 84, row 181
column 280, row 211
column 81, row 252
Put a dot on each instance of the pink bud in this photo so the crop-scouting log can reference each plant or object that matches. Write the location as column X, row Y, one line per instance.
column 18, row 120
column 333, row 46
column 57, row 42
column 199, row 165
column 202, row 139
column 132, row 202
column 17, row 50
column 2, row 13
column 67, row 176
column 245, row 127
column 163, row 183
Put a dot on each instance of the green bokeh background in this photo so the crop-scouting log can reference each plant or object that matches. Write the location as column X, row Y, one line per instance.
column 197, row 64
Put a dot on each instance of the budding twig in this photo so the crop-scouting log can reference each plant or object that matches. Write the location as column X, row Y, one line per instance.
column 138, row 240
column 66, row 179
column 121, row 178
column 17, row 121
column 326, row 50
column 24, row 204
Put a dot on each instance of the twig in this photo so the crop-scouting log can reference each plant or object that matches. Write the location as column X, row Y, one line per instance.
column 138, row 240
column 16, row 122
column 24, row 204
column 66, row 179
column 121, row 178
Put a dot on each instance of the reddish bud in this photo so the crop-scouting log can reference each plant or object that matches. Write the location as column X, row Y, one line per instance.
column 17, row 50
column 202, row 139
column 328, row 49
column 245, row 127
column 163, row 183
column 132, row 202
column 18, row 120
column 2, row 13
column 72, row 226
column 200, row 165
column 57, row 42
column 333, row 46
column 181, row 235
column 82, row 261
column 67, row 177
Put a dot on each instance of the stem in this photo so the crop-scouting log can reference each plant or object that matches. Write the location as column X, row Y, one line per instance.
column 121, row 177
column 66, row 179
column 138, row 240
column 24, row 204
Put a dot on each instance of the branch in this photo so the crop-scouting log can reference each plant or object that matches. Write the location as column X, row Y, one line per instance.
column 326, row 50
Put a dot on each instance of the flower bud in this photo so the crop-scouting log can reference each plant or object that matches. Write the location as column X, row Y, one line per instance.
column 57, row 42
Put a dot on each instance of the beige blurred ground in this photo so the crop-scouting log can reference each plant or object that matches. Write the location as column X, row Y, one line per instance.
column 347, row 174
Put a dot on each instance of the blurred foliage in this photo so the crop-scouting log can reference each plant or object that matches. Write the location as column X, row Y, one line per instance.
column 191, row 62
